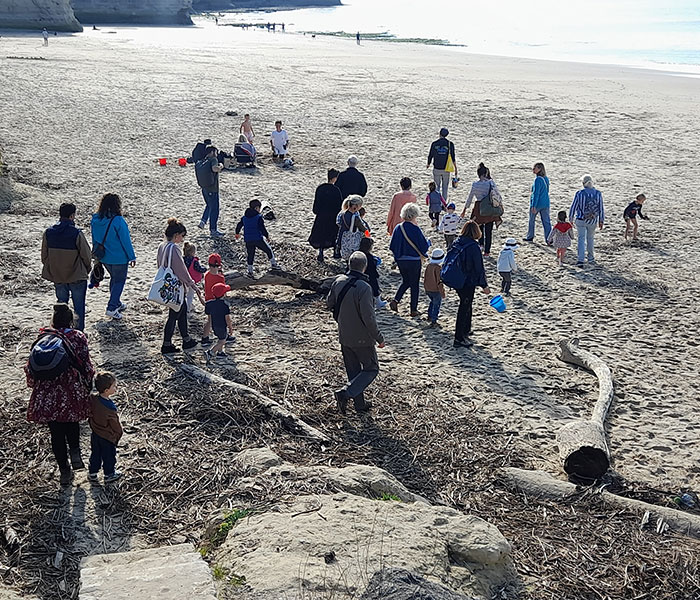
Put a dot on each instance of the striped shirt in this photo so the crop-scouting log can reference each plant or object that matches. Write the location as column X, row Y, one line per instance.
column 448, row 223
column 587, row 206
column 480, row 189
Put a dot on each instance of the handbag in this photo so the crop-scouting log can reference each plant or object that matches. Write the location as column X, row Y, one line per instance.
column 350, row 240
column 98, row 250
column 491, row 205
column 167, row 289
column 449, row 165
column 411, row 244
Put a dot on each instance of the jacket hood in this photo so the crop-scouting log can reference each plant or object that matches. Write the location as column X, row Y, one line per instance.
column 250, row 212
column 358, row 275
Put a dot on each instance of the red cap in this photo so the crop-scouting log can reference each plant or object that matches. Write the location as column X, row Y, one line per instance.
column 215, row 260
column 220, row 289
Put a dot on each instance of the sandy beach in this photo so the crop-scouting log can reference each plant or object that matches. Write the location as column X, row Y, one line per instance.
column 100, row 109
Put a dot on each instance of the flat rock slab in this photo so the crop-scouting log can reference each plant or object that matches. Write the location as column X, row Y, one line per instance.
column 167, row 573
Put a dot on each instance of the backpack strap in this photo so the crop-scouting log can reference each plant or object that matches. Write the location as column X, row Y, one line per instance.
column 341, row 296
column 410, row 242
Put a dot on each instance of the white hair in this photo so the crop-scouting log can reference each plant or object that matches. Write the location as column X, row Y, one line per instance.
column 410, row 211
column 352, row 160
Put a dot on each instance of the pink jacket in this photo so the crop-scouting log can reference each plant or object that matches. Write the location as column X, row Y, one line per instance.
column 397, row 203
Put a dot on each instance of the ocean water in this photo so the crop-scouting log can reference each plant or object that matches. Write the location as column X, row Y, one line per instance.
column 641, row 33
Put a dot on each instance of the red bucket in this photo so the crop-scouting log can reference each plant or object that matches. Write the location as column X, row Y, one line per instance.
column 182, row 162
column 162, row 161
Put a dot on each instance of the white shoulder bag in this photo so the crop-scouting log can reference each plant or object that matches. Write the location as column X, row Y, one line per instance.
column 167, row 289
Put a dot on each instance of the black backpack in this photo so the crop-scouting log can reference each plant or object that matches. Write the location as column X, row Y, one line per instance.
column 51, row 355
column 206, row 178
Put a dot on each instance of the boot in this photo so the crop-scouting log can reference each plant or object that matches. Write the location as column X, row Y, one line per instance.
column 76, row 460
column 66, row 475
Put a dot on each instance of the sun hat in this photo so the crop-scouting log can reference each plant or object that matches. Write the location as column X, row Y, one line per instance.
column 451, row 205
column 220, row 289
column 352, row 160
column 444, row 132
column 510, row 244
column 437, row 256
column 215, row 260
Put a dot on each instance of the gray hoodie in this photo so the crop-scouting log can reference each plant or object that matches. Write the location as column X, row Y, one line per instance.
column 357, row 323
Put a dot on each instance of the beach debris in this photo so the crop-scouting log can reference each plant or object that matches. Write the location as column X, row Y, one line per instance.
column 645, row 519
column 231, row 113
column 583, row 448
column 11, row 538
column 238, row 280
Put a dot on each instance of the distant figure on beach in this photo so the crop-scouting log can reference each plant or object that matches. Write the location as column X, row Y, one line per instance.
column 327, row 202
column 216, row 20
column 539, row 202
column 352, row 304
column 633, row 209
column 352, row 181
column 561, row 236
column 244, row 152
column 480, row 190
column 279, row 141
column 255, row 236
column 66, row 258
column 61, row 396
column 442, row 156
column 586, row 212
column 207, row 171
column 45, row 35
column 110, row 231
column 247, row 128
column 357, row 38
column 400, row 199
column 282, row 27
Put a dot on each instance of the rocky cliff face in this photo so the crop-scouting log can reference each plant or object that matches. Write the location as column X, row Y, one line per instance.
column 55, row 15
column 205, row 5
column 161, row 12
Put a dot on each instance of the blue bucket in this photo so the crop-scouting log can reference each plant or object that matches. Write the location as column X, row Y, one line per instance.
column 498, row 303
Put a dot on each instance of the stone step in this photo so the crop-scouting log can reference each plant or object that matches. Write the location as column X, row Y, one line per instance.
column 169, row 572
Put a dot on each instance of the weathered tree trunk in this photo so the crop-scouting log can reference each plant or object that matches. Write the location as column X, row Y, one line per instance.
column 238, row 280
column 583, row 448
column 272, row 408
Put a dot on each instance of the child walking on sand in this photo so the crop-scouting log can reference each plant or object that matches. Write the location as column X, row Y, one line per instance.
column 106, row 429
column 448, row 225
column 221, row 324
column 433, row 285
column 247, row 128
column 633, row 209
column 195, row 269
column 507, row 265
column 214, row 275
column 255, row 235
column 561, row 235
column 436, row 204
column 366, row 244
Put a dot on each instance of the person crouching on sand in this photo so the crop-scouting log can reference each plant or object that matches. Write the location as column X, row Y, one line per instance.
column 633, row 209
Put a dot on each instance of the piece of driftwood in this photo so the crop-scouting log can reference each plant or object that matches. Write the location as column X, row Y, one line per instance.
column 583, row 448
column 543, row 485
column 272, row 408
column 238, row 280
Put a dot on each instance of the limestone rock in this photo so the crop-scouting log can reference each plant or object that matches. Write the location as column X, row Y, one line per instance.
column 399, row 584
column 172, row 572
column 361, row 480
column 160, row 12
column 332, row 546
column 55, row 15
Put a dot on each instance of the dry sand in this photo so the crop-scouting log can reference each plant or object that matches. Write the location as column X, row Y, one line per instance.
column 97, row 113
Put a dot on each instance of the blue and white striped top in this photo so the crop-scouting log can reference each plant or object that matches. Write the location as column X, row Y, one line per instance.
column 587, row 206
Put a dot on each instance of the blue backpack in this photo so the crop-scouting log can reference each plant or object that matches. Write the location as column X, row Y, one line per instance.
column 452, row 274
column 51, row 355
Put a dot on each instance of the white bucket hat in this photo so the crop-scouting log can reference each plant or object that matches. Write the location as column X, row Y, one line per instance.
column 437, row 256
column 510, row 244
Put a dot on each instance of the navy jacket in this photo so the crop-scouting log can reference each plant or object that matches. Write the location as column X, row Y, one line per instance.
column 470, row 261
column 253, row 226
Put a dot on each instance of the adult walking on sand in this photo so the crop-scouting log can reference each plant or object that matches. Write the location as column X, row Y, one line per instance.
column 352, row 304
column 170, row 254
column 45, row 35
column 66, row 256
column 351, row 181
column 327, row 203
column 110, row 231
column 466, row 273
column 480, row 190
column 539, row 203
column 409, row 247
column 400, row 199
column 587, row 212
column 442, row 156
column 207, row 171
column 62, row 401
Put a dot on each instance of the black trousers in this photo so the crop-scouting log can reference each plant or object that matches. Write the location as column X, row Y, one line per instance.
column 178, row 317
column 464, row 313
column 486, row 236
column 251, row 246
column 63, row 434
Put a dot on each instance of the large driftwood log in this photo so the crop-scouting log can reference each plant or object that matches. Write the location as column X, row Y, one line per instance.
column 583, row 448
column 543, row 485
column 272, row 408
column 238, row 280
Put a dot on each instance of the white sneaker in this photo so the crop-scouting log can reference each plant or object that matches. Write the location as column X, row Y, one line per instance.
column 123, row 306
column 115, row 314
column 381, row 303
column 217, row 234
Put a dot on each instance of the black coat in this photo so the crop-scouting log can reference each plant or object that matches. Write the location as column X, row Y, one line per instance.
column 351, row 181
column 327, row 203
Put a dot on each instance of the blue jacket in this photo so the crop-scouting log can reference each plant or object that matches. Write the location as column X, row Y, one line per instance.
column 539, row 197
column 118, row 248
column 253, row 226
column 470, row 262
column 401, row 249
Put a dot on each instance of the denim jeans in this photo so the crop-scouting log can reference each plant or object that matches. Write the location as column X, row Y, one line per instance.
column 544, row 217
column 434, row 306
column 362, row 366
column 585, row 232
column 410, row 272
column 77, row 291
column 211, row 211
column 103, row 453
column 442, row 181
column 117, row 279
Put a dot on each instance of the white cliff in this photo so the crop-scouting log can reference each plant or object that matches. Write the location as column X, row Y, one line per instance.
column 55, row 15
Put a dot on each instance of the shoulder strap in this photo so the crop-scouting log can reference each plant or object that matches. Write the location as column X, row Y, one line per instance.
column 341, row 296
column 410, row 241
column 104, row 239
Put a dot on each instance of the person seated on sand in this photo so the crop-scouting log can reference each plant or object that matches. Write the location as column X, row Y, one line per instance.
column 247, row 128
column 279, row 140
column 244, row 152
